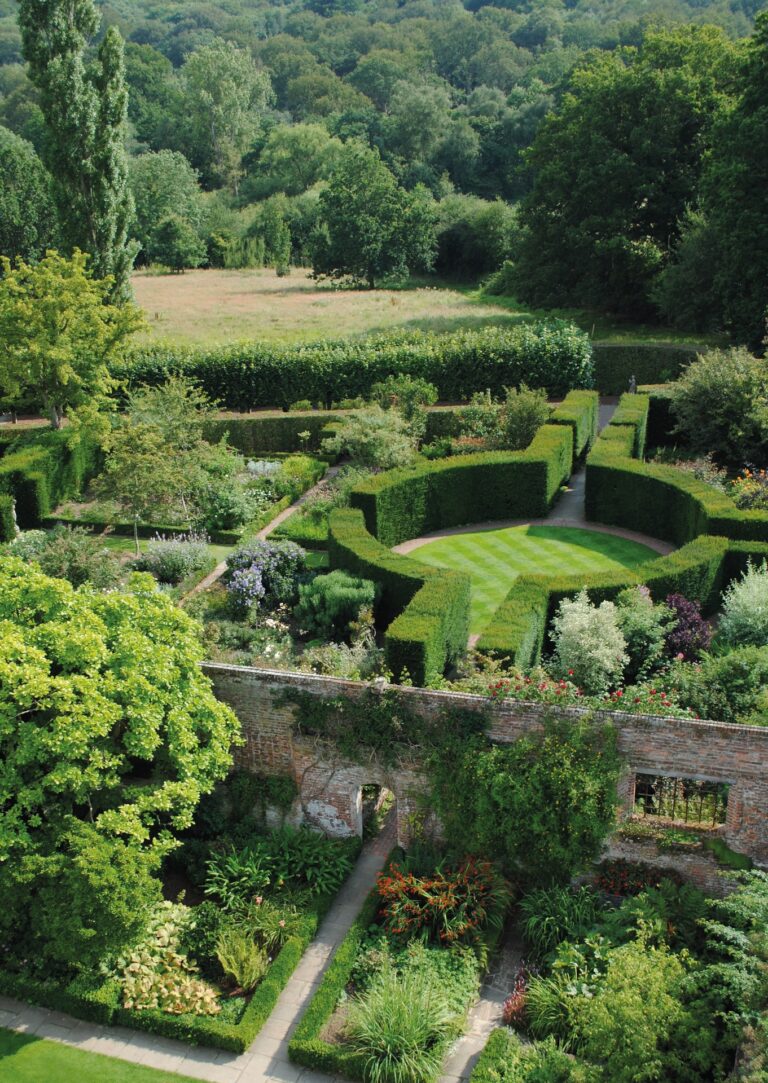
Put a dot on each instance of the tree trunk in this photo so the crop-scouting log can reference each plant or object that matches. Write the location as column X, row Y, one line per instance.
column 136, row 534
column 57, row 416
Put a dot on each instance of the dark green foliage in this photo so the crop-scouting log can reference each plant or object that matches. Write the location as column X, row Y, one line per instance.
column 549, row 915
column 633, row 411
column 7, row 522
column 517, row 629
column 542, row 805
column 333, row 606
column 580, row 410
column 27, row 216
column 729, row 687
column 70, row 553
column 44, row 467
column 616, row 364
column 176, row 244
column 553, row 355
column 270, row 432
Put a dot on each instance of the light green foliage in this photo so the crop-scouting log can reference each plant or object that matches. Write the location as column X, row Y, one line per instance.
column 744, row 619
column 60, row 333
column 271, row 923
column 106, row 684
column 176, row 244
column 336, row 606
column 156, row 975
column 84, row 103
column 506, row 1059
column 241, row 958
column 589, row 644
column 276, row 233
column 164, row 185
column 27, row 217
column 543, row 804
column 225, row 95
column 720, row 404
column 408, row 395
column 69, row 553
column 644, row 627
column 177, row 408
column 400, row 1026
column 625, row 1025
column 506, row 425
column 372, row 226
column 729, row 688
column 293, row 159
column 373, row 438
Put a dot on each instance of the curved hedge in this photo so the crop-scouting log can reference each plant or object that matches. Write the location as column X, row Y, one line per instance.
column 424, row 611
column 655, row 499
column 553, row 355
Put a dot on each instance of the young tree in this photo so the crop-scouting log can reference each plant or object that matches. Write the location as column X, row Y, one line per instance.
column 60, row 332
column 277, row 234
column 27, row 215
column 109, row 735
column 226, row 95
column 84, row 105
column 372, row 226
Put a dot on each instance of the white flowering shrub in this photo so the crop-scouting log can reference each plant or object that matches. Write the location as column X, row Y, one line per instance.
column 590, row 648
column 744, row 620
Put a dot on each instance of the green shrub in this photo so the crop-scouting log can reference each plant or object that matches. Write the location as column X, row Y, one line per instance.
column 70, row 553
column 553, row 355
column 580, row 410
column 373, row 438
column 42, row 468
column 644, row 627
column 506, row 1060
column 7, row 520
column 334, row 606
column 172, row 559
column 549, row 915
column 589, row 645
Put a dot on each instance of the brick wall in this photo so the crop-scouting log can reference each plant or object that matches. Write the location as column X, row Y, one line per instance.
column 329, row 787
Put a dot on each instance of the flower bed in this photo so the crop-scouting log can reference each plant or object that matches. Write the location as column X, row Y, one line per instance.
column 403, row 978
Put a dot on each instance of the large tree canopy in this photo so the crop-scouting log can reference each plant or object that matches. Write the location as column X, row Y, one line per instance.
column 615, row 167
column 27, row 215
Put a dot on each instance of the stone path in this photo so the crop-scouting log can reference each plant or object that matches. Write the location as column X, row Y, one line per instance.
column 267, row 1058
column 486, row 1013
column 271, row 526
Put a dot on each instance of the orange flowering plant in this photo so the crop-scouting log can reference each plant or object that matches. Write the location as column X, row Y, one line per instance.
column 451, row 904
column 750, row 488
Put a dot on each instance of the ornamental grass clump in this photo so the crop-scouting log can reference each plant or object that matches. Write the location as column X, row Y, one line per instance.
column 401, row 1027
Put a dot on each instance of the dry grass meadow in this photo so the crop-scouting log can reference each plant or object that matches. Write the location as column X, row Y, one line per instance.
column 214, row 307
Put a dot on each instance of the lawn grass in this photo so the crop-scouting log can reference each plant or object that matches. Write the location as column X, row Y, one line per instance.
column 26, row 1059
column 493, row 559
column 213, row 307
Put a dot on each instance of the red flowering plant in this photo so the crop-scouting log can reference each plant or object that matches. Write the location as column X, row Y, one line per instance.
column 648, row 699
column 536, row 687
column 619, row 877
column 450, row 905
column 513, row 1013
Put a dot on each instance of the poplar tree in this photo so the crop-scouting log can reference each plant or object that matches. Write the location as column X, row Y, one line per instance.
column 84, row 104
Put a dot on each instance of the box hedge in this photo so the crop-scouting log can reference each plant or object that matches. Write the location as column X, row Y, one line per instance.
column 580, row 410
column 615, row 364
column 553, row 355
column 661, row 420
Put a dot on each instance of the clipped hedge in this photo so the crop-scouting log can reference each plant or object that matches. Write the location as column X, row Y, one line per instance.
column 552, row 355
column 423, row 610
column 580, row 410
column 39, row 470
column 649, row 364
column 518, row 629
column 406, row 503
column 86, row 997
column 661, row 420
column 654, row 498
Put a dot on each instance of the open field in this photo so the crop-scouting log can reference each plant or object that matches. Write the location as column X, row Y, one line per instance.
column 493, row 559
column 214, row 307
column 25, row 1059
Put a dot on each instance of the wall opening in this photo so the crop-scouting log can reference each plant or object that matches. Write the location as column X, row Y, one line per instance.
column 377, row 805
column 684, row 800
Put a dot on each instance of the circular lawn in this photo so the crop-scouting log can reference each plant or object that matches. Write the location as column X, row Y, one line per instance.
column 493, row 559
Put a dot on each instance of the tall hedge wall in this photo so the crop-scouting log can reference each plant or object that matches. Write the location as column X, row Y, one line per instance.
column 649, row 364
column 403, row 504
column 554, row 355
column 40, row 469
column 656, row 499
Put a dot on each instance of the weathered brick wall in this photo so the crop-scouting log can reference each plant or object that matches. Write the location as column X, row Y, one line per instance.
column 699, row 866
column 329, row 787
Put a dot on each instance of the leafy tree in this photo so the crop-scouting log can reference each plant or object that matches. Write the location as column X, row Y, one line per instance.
column 109, row 734
column 735, row 195
column 226, row 95
column 372, row 226
column 155, row 102
column 543, row 805
column 615, row 167
column 177, row 245
column 164, row 185
column 60, row 333
column 276, row 233
column 27, row 215
column 294, row 157
column 84, row 105
column 177, row 409
column 417, row 118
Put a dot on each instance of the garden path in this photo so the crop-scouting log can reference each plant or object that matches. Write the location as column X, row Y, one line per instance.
column 266, row 1061
column 271, row 526
column 486, row 1013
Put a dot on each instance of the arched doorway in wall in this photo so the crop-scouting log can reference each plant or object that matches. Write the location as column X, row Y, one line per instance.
column 377, row 809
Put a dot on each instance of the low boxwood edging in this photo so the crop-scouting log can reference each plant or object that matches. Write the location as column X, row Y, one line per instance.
column 89, row 997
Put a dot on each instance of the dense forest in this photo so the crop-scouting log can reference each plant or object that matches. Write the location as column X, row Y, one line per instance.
column 576, row 151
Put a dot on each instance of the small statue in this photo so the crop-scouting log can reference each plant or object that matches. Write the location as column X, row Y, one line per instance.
column 633, row 385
